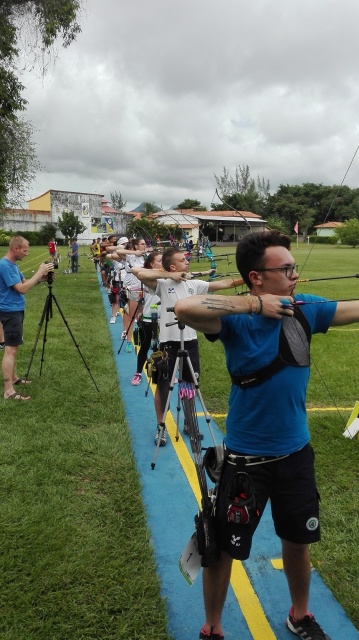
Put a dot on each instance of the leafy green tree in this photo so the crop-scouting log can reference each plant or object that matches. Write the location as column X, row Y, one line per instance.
column 274, row 222
column 191, row 204
column 70, row 225
column 349, row 232
column 313, row 202
column 150, row 207
column 241, row 192
column 117, row 200
column 18, row 161
column 48, row 231
column 47, row 20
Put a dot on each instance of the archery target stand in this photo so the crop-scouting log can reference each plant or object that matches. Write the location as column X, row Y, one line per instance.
column 352, row 428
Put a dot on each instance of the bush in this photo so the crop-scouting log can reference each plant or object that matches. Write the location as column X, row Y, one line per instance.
column 4, row 238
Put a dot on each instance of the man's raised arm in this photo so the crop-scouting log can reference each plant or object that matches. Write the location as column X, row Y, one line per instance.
column 204, row 313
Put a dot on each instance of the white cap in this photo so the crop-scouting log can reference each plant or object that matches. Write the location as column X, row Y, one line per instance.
column 123, row 240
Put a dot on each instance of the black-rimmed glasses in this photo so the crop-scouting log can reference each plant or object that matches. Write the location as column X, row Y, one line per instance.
column 288, row 269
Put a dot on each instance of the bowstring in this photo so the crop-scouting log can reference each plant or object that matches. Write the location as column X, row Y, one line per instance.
column 330, row 394
column 330, row 207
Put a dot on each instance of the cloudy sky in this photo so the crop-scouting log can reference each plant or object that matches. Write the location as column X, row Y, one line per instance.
column 157, row 96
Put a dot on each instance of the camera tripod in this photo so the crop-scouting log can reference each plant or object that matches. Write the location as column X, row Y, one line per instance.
column 45, row 317
column 186, row 394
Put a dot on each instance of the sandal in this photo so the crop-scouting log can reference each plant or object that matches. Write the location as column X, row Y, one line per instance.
column 22, row 381
column 17, row 396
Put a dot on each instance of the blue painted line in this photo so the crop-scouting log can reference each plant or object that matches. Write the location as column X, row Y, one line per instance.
column 171, row 505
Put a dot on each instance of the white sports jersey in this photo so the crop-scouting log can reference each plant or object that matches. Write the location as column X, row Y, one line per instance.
column 169, row 292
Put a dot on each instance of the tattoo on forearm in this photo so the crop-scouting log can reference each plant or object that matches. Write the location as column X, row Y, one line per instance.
column 214, row 304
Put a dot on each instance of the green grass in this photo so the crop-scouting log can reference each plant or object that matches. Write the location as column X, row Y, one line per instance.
column 76, row 560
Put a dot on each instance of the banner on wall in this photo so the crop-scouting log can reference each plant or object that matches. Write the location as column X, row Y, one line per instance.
column 103, row 225
column 85, row 209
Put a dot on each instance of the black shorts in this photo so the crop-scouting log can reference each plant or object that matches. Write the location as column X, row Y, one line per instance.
column 172, row 348
column 290, row 484
column 12, row 322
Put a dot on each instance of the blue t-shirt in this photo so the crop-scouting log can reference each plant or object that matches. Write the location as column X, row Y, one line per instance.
column 10, row 274
column 269, row 418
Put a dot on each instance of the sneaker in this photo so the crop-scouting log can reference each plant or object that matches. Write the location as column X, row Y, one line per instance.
column 2, row 345
column 203, row 635
column 136, row 379
column 186, row 432
column 307, row 628
column 113, row 320
column 129, row 347
column 163, row 440
column 123, row 335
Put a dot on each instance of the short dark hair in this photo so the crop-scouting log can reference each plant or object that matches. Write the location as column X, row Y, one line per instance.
column 251, row 248
column 168, row 255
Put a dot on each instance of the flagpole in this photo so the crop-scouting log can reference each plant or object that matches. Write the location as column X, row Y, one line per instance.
column 296, row 229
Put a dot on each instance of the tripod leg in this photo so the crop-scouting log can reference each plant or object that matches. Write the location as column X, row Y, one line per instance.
column 75, row 343
column 199, row 394
column 48, row 316
column 162, row 425
column 43, row 316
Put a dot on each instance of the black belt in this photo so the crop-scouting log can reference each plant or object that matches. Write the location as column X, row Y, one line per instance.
column 235, row 459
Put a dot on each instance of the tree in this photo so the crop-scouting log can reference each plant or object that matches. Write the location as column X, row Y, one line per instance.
column 243, row 190
column 18, row 162
column 191, row 204
column 150, row 207
column 117, row 201
column 274, row 222
column 70, row 225
column 48, row 231
column 46, row 20
column 349, row 232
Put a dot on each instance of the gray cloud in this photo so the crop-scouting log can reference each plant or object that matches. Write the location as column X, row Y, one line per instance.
column 156, row 97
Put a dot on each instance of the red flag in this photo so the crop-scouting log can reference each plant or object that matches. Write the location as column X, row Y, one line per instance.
column 296, row 228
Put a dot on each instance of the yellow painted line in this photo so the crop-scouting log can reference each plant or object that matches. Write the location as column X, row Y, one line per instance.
column 309, row 410
column 243, row 590
column 277, row 563
column 246, row 596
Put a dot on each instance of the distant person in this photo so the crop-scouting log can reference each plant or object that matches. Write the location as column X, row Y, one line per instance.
column 96, row 252
column 52, row 249
column 134, row 256
column 74, row 255
column 13, row 287
column 150, row 300
column 170, row 284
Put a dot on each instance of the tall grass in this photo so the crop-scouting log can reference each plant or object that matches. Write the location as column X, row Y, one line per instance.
column 76, row 562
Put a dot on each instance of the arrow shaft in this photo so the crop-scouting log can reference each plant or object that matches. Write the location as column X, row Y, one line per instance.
column 355, row 275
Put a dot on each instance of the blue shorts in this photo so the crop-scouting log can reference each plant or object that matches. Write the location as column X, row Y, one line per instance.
column 12, row 322
column 290, row 485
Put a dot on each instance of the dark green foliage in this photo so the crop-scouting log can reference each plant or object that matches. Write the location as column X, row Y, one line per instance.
column 48, row 231
column 50, row 19
column 191, row 204
column 70, row 225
